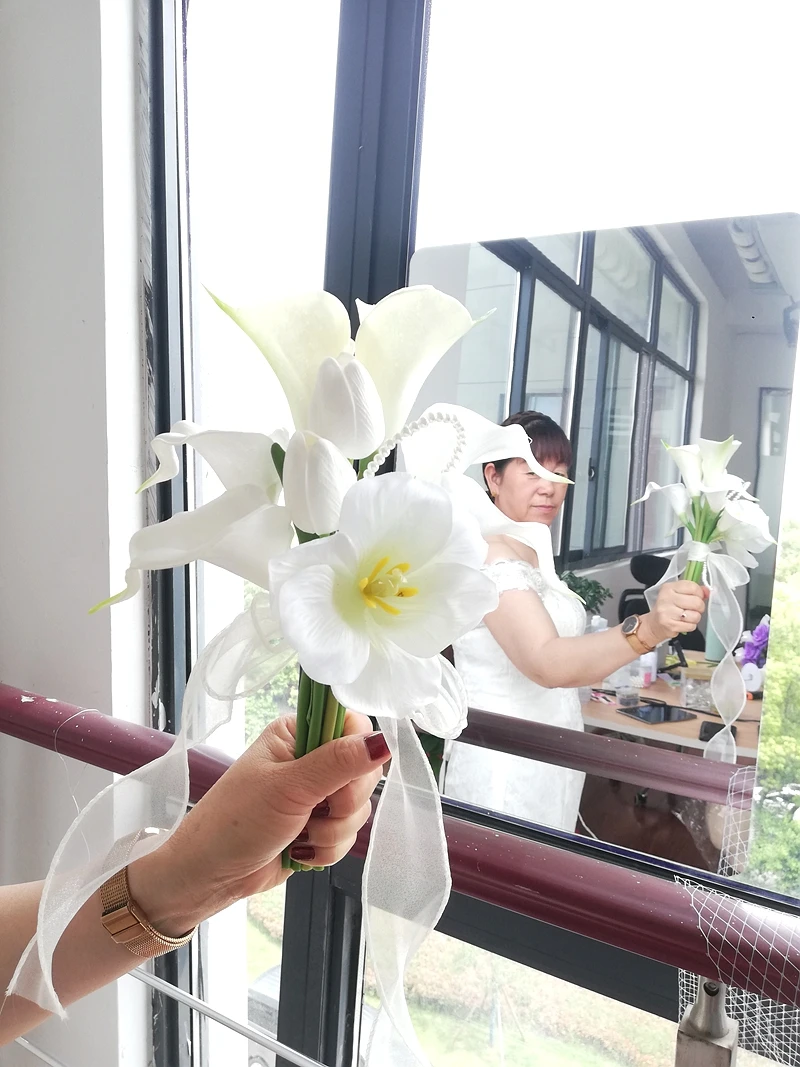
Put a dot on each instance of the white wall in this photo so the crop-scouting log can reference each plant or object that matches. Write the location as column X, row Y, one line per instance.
column 69, row 376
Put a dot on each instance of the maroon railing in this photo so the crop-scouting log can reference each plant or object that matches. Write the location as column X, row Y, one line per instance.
column 607, row 757
column 650, row 916
column 70, row 732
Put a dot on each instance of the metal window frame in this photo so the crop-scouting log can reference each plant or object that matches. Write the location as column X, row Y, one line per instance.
column 164, row 335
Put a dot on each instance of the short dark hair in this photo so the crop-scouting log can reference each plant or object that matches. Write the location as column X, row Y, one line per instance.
column 549, row 443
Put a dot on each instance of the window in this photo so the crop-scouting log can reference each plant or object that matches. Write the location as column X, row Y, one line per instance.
column 551, row 354
column 595, row 381
column 622, row 278
column 612, row 476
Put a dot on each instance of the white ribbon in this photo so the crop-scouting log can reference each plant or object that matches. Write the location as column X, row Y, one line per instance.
column 407, row 872
column 156, row 795
column 406, row 875
column 722, row 574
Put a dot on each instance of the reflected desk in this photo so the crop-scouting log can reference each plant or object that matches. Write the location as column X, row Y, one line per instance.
column 682, row 734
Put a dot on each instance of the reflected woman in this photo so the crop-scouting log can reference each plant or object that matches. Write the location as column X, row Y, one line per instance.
column 527, row 658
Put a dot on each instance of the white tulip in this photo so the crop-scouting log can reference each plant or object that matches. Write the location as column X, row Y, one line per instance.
column 369, row 609
column 316, row 477
column 399, row 342
column 345, row 407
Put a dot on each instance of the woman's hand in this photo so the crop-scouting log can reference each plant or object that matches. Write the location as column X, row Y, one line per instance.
column 678, row 610
column 229, row 846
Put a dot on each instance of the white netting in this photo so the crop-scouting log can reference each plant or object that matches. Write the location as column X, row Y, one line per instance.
column 748, row 945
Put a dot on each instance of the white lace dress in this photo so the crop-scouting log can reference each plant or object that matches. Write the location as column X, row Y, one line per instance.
column 537, row 792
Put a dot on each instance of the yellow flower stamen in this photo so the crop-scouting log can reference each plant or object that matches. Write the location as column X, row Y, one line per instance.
column 385, row 583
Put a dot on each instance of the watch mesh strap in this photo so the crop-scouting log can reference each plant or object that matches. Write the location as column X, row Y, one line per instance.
column 128, row 925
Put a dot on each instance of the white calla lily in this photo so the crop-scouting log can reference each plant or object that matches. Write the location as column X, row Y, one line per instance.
column 295, row 335
column 427, row 453
column 399, row 341
column 744, row 527
column 236, row 458
column 237, row 531
column 369, row 609
column 703, row 465
column 402, row 338
column 678, row 498
column 345, row 407
column 316, row 477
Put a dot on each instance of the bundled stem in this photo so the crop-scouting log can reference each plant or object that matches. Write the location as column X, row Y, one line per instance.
column 320, row 716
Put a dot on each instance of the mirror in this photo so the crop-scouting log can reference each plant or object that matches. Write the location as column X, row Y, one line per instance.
column 628, row 339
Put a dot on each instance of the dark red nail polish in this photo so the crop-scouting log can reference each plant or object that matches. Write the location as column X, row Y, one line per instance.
column 303, row 853
column 301, row 837
column 321, row 811
column 376, row 746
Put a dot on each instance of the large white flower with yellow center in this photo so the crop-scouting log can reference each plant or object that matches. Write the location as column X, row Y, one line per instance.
column 370, row 608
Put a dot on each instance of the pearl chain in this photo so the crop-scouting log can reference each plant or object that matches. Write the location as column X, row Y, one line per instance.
column 414, row 427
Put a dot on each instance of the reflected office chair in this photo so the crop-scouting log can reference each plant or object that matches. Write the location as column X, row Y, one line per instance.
column 647, row 570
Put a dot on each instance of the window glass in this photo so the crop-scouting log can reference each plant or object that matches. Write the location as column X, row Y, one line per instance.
column 255, row 74
column 554, row 335
column 583, row 451
column 675, row 324
column 667, row 423
column 615, row 447
column 622, row 278
column 562, row 249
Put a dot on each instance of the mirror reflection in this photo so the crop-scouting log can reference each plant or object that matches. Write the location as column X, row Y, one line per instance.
column 605, row 346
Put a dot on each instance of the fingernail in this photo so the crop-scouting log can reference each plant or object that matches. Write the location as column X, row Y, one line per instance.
column 301, row 837
column 302, row 853
column 321, row 811
column 376, row 746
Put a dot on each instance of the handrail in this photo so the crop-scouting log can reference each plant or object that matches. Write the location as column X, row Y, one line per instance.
column 607, row 757
column 638, row 912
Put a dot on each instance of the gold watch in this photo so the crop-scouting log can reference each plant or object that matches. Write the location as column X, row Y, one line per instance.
column 630, row 628
column 125, row 920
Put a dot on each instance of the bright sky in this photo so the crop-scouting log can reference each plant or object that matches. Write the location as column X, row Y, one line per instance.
column 540, row 118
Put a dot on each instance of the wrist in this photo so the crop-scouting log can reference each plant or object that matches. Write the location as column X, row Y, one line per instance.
column 160, row 888
column 649, row 632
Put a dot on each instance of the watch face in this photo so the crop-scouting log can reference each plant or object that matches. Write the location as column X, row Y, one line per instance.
column 631, row 624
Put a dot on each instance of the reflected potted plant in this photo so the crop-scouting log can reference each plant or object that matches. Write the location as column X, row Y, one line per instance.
column 593, row 594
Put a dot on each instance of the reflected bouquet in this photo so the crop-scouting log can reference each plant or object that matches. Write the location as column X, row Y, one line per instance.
column 365, row 579
column 726, row 527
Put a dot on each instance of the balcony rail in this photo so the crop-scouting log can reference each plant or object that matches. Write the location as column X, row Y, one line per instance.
column 628, row 909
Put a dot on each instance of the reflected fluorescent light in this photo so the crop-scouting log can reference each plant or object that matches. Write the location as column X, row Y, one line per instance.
column 747, row 241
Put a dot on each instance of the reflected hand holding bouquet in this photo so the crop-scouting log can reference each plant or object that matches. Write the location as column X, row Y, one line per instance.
column 725, row 526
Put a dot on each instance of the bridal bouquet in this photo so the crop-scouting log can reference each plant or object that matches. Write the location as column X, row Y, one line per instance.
column 365, row 579
column 726, row 526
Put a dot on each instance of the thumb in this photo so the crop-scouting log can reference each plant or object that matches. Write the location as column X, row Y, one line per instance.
column 318, row 774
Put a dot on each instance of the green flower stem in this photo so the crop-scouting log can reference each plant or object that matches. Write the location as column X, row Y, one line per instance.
column 278, row 458
column 329, row 718
column 303, row 712
column 339, row 728
column 319, row 698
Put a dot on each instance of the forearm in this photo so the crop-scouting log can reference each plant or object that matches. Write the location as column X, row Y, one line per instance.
column 86, row 957
column 568, row 662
